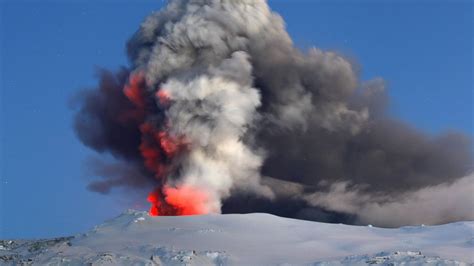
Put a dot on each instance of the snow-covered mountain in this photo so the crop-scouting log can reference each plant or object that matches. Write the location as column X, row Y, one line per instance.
column 135, row 238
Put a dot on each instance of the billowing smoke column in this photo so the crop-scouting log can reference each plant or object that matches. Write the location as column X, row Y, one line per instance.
column 218, row 111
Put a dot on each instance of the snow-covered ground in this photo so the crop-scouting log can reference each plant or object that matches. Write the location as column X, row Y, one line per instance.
column 249, row 239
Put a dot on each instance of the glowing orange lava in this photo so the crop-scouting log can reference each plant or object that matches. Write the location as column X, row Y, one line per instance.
column 163, row 97
column 159, row 148
column 133, row 90
column 184, row 200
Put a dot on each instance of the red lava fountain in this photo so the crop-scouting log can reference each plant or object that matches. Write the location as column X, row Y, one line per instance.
column 159, row 148
column 183, row 200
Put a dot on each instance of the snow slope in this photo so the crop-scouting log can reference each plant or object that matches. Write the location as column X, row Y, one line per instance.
column 246, row 239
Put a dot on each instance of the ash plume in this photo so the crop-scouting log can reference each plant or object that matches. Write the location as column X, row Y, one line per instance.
column 219, row 111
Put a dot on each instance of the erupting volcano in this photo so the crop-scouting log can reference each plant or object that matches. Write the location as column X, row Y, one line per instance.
column 218, row 111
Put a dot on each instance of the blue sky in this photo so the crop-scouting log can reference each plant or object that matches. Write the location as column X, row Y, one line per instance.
column 50, row 50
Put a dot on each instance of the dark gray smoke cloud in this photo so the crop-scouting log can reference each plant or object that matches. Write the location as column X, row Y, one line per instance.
column 272, row 128
column 98, row 122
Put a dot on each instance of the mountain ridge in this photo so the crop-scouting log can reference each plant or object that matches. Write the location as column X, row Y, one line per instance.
column 136, row 238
